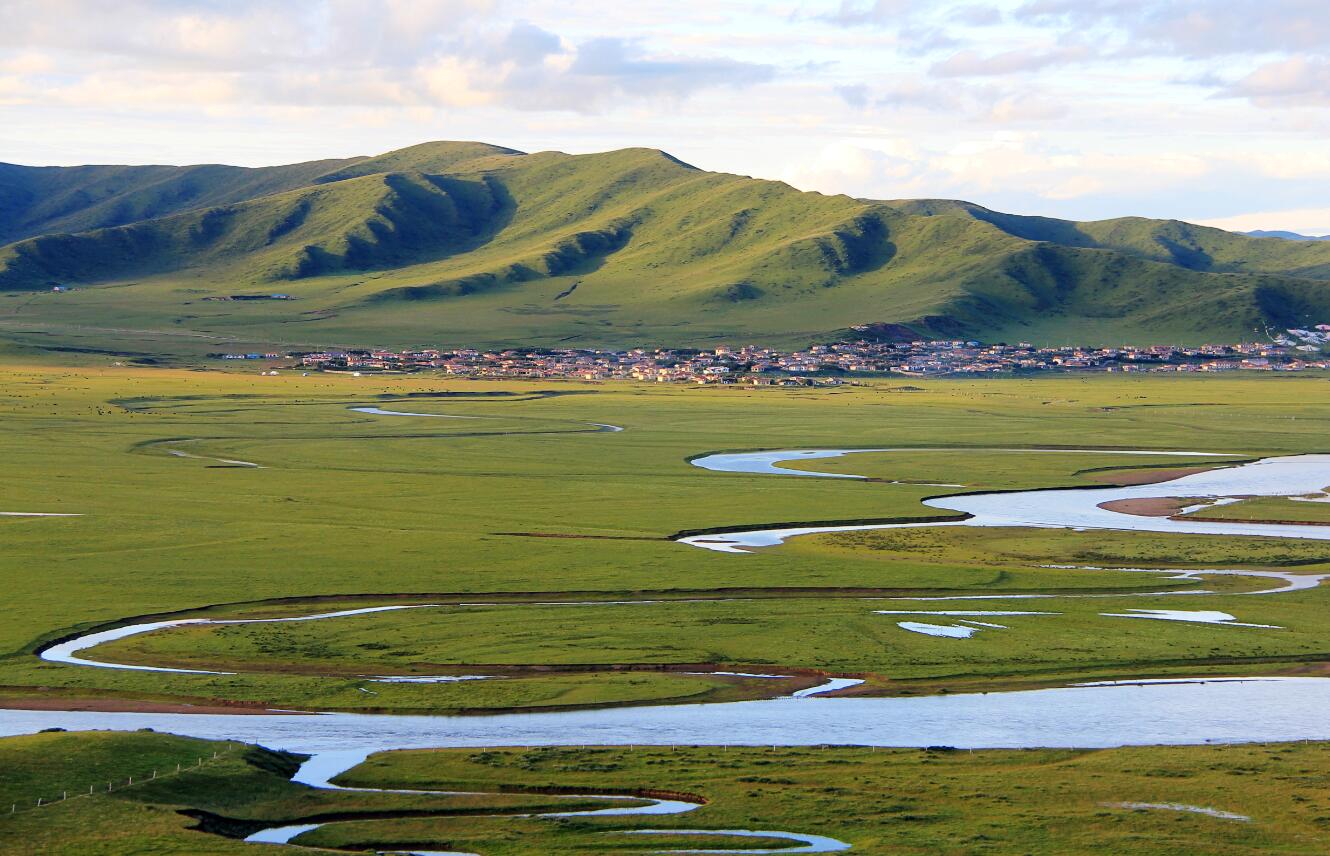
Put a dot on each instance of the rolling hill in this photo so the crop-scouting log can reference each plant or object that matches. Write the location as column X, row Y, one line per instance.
column 468, row 243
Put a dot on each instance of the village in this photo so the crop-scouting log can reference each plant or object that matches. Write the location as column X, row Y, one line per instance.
column 829, row 364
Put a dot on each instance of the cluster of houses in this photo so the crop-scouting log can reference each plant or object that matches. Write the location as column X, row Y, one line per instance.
column 1023, row 357
column 1295, row 350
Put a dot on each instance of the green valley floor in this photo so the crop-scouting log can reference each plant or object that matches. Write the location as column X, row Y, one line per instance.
column 1178, row 800
column 537, row 548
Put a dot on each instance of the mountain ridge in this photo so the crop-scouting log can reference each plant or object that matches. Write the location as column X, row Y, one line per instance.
column 474, row 243
column 1286, row 235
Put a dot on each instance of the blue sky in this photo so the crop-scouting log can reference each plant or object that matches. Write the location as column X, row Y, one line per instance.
column 1204, row 110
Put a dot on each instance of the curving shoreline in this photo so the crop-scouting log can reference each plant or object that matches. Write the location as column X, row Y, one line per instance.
column 1138, row 713
column 1055, row 508
column 319, row 770
column 369, row 410
column 177, row 453
column 67, row 651
column 766, row 462
column 1097, row 714
column 379, row 411
column 37, row 514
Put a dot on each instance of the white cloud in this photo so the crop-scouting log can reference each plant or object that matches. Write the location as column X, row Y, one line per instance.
column 12, row 90
column 1026, row 108
column 1310, row 165
column 1192, row 28
column 449, row 81
column 1299, row 80
column 627, row 68
column 1304, row 221
column 540, row 73
column 854, row 13
column 28, row 62
column 969, row 63
column 453, row 53
column 1122, row 106
column 985, row 166
column 857, row 170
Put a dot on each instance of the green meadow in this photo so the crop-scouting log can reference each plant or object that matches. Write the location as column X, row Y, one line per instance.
column 158, row 793
column 1285, row 509
column 882, row 801
column 233, row 495
column 894, row 801
column 499, row 516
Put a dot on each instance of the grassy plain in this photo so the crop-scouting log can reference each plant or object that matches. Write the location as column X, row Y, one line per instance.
column 229, row 789
column 1269, row 508
column 360, row 510
column 840, row 635
column 347, row 509
column 882, row 801
column 900, row 801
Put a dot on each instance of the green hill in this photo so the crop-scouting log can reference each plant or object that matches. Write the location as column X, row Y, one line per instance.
column 467, row 243
column 375, row 220
column 40, row 200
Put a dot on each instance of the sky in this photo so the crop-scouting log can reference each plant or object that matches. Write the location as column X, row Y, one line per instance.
column 1212, row 111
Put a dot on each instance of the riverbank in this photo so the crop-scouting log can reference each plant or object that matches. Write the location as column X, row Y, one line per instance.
column 263, row 650
column 877, row 800
column 371, row 508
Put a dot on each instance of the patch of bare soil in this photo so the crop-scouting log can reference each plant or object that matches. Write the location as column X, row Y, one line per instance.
column 1157, row 506
column 126, row 705
column 1150, row 476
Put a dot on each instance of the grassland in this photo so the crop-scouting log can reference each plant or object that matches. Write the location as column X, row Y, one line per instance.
column 903, row 801
column 1268, row 509
column 204, row 797
column 836, row 635
column 880, row 800
column 528, row 508
column 527, row 502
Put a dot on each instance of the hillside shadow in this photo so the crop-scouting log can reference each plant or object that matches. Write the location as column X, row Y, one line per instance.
column 487, row 202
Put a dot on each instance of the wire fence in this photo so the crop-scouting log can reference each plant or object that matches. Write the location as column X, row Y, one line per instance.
column 116, row 785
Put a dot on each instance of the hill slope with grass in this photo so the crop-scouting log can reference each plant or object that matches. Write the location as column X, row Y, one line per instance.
column 43, row 200
column 468, row 243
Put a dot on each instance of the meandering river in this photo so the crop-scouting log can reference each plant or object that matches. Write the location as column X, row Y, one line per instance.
column 319, row 770
column 1098, row 716
column 1074, row 508
column 1178, row 712
column 1111, row 714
